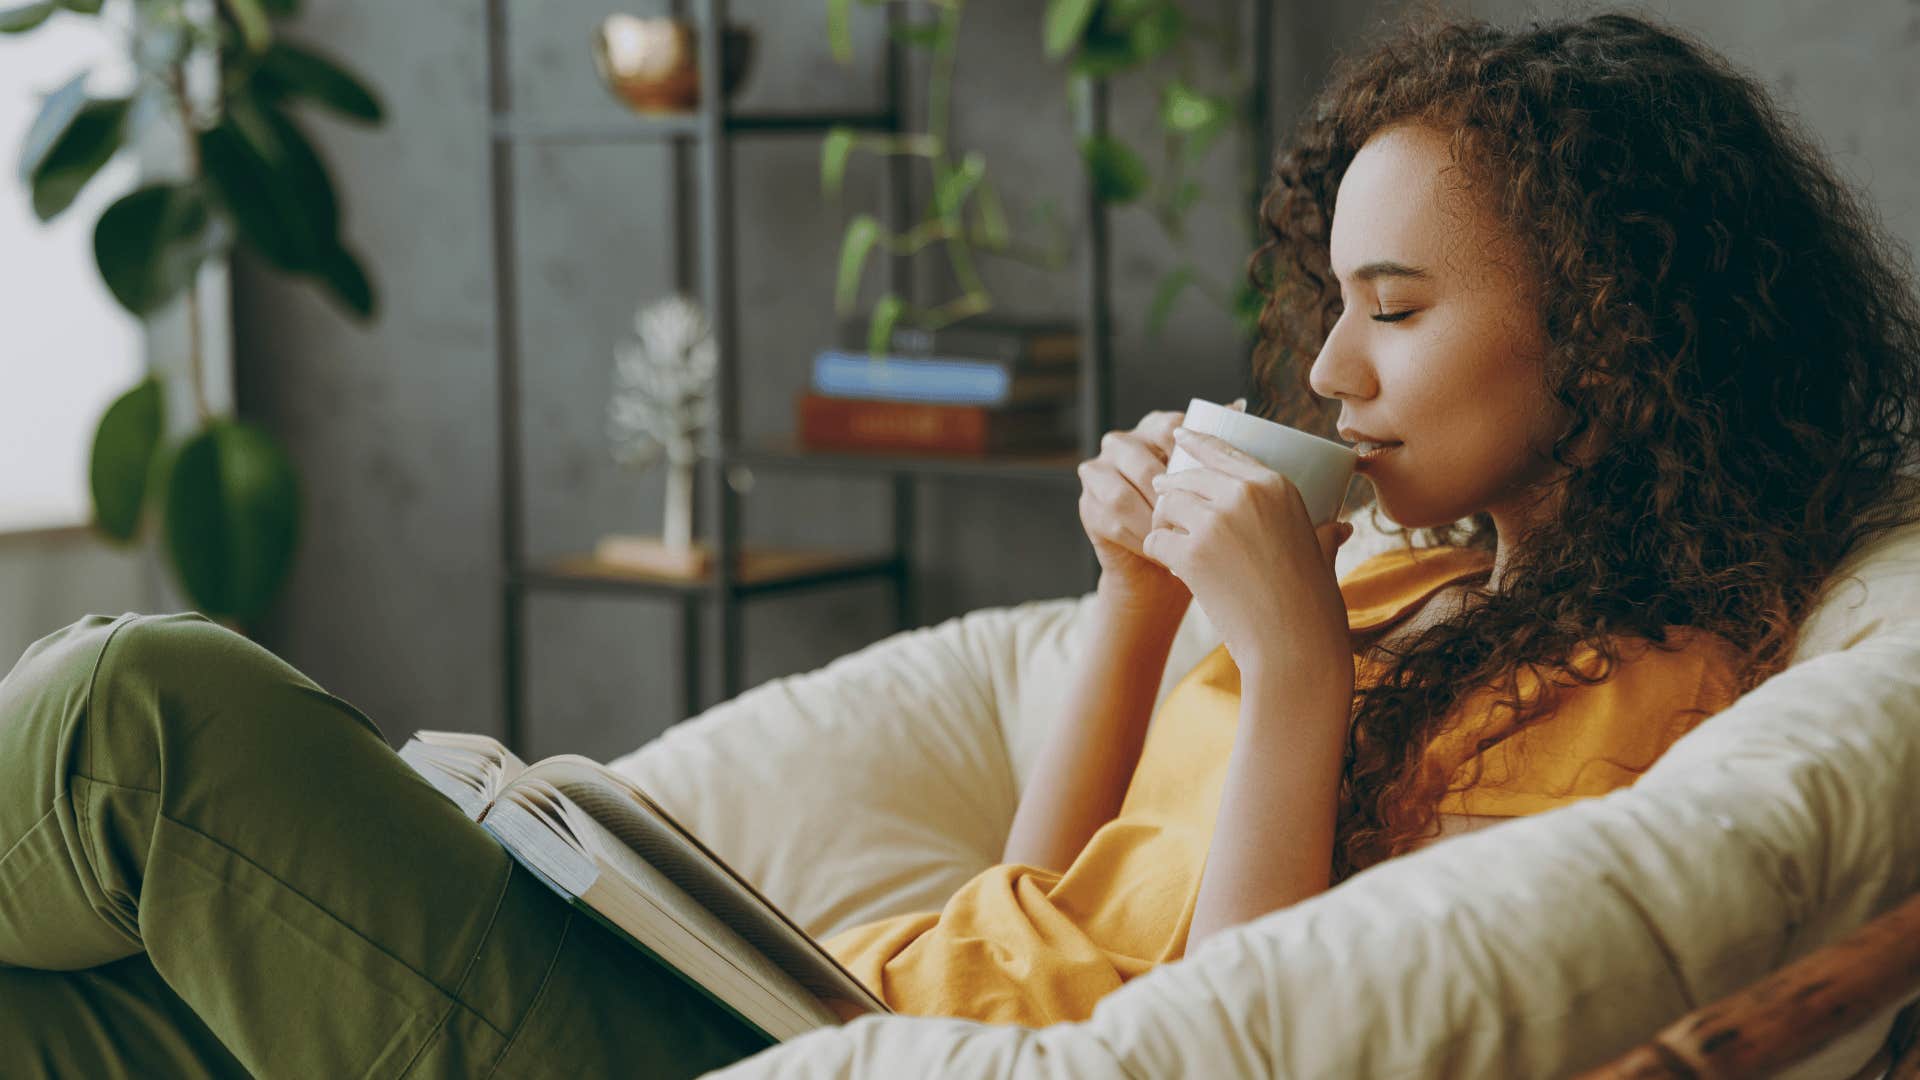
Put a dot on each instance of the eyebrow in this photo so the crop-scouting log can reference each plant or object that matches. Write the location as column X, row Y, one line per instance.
column 1387, row 268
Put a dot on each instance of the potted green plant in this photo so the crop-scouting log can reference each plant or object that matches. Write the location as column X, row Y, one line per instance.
column 225, row 496
column 1097, row 39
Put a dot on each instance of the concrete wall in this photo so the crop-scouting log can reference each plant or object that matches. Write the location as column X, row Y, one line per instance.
column 394, row 603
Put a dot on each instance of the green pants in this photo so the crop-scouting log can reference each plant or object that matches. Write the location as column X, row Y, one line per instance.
column 210, row 866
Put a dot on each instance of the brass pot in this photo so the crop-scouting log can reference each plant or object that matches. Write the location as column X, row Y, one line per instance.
column 652, row 63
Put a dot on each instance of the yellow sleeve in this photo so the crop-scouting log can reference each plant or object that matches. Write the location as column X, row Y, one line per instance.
column 1599, row 737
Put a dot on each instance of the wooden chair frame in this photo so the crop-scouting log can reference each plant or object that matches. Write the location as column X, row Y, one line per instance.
column 1795, row 1011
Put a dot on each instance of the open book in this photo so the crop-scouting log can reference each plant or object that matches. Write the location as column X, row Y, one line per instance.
column 601, row 842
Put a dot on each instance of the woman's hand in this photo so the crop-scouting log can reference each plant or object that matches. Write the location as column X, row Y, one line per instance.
column 1116, row 509
column 1237, row 534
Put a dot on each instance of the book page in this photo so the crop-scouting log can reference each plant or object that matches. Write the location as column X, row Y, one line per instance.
column 642, row 904
column 469, row 769
column 629, row 815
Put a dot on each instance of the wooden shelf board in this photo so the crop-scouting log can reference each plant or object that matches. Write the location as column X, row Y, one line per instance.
column 757, row 569
column 641, row 127
column 1053, row 466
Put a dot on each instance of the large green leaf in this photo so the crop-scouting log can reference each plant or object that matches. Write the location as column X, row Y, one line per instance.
column 251, row 173
column 124, row 447
column 282, row 8
column 1119, row 176
column 1066, row 20
column 84, row 7
column 301, row 169
column 862, row 233
column 149, row 244
column 255, row 31
column 56, row 115
column 19, row 20
column 232, row 518
column 290, row 69
column 346, row 278
column 77, row 154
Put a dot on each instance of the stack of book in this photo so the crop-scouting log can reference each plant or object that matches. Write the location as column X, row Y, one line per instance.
column 977, row 387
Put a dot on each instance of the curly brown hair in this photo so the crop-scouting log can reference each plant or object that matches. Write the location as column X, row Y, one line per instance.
column 1718, row 304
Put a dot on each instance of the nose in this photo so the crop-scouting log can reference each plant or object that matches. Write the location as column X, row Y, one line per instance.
column 1343, row 369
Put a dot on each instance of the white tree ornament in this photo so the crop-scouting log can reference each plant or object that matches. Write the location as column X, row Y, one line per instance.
column 663, row 401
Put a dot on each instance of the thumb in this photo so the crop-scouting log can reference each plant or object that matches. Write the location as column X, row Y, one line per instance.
column 1239, row 405
column 1331, row 537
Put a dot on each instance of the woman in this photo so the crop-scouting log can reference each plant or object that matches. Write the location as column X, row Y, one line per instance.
column 1592, row 294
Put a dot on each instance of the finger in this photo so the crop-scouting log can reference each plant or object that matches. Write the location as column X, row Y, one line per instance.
column 1160, row 420
column 1331, row 536
column 1239, row 405
column 1182, row 511
column 1223, row 455
column 1133, row 458
column 1114, row 491
column 1204, row 482
column 1170, row 549
column 1158, row 428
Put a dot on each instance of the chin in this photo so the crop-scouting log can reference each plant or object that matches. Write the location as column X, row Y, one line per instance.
column 1415, row 513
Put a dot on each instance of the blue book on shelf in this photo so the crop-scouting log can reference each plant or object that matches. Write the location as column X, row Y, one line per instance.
column 839, row 373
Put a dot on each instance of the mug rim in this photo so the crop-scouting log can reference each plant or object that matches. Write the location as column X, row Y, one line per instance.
column 1291, row 431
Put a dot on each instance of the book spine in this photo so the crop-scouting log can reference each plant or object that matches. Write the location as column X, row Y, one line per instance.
column 835, row 423
column 941, row 381
column 1023, row 349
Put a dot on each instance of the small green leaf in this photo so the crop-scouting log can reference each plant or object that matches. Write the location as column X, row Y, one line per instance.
column 87, row 144
column 954, row 185
column 1066, row 20
column 22, row 19
column 149, row 244
column 1119, row 176
column 1164, row 296
column 834, row 150
column 993, row 215
column 1158, row 30
column 294, row 70
column 346, row 278
column 886, row 313
column 1186, row 110
column 232, row 518
column 1104, row 52
column 83, row 7
column 251, row 18
column 839, row 32
column 57, row 113
column 124, row 447
column 862, row 233
column 924, row 35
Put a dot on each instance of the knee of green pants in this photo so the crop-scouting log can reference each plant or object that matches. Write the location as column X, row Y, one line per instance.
column 166, row 680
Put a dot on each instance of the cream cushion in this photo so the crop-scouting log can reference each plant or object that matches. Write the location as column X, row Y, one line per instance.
column 879, row 783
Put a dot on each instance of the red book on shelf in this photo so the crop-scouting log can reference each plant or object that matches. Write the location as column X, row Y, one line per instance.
column 828, row 423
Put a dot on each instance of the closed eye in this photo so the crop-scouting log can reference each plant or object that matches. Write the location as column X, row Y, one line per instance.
column 1391, row 316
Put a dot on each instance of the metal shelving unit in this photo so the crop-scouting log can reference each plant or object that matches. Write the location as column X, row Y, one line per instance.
column 705, row 136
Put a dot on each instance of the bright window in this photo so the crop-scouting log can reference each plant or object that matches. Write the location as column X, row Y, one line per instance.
column 66, row 348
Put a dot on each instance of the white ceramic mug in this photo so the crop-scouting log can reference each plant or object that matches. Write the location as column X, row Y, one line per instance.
column 1320, row 468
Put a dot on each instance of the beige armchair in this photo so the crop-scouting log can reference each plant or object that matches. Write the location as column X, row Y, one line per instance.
column 1538, row 947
